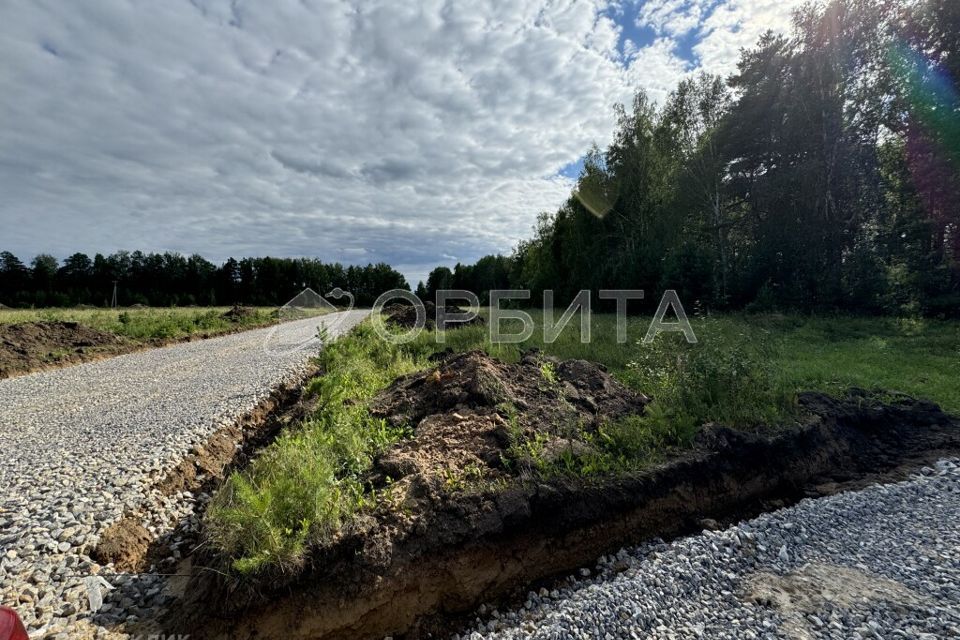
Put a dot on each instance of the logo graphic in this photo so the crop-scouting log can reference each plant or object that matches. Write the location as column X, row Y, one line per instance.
column 291, row 334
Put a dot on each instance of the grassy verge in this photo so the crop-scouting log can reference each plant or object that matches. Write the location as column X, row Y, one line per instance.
column 150, row 323
column 305, row 484
column 744, row 372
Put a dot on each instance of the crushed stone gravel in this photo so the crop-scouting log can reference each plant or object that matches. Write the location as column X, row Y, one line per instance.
column 85, row 444
column 879, row 563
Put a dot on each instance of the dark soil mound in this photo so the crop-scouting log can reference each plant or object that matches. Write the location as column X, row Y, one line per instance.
column 238, row 313
column 405, row 315
column 35, row 345
column 428, row 555
column 468, row 411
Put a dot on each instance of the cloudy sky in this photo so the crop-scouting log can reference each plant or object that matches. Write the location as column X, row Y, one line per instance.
column 414, row 133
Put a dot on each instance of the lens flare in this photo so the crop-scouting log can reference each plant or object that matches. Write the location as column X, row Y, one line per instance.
column 932, row 140
column 932, row 96
column 594, row 201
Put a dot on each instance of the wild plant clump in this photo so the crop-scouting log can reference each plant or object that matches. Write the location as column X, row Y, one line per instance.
column 305, row 485
column 728, row 377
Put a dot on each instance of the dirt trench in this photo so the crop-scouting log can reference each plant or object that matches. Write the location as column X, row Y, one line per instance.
column 131, row 547
column 415, row 577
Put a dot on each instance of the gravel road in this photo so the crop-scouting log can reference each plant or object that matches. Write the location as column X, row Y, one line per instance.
column 879, row 563
column 84, row 444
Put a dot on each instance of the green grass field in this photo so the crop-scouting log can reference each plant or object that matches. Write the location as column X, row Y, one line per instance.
column 744, row 372
column 146, row 323
column 913, row 356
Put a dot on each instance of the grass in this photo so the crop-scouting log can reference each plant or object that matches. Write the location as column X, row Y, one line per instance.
column 148, row 323
column 798, row 353
column 918, row 357
column 744, row 371
column 304, row 485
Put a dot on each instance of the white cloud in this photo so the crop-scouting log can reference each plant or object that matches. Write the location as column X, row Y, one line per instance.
column 721, row 28
column 672, row 17
column 736, row 25
column 292, row 128
column 657, row 68
column 345, row 129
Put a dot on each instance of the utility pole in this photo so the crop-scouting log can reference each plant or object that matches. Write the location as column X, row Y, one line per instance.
column 113, row 301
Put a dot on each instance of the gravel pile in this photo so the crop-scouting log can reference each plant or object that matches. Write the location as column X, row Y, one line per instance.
column 879, row 563
column 83, row 445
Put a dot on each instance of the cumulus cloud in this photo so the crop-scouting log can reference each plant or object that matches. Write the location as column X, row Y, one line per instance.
column 351, row 130
column 721, row 28
column 673, row 17
column 658, row 68
column 737, row 25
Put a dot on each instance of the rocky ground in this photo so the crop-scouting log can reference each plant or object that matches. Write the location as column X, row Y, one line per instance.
column 879, row 563
column 86, row 444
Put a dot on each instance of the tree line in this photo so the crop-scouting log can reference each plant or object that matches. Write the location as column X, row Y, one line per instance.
column 822, row 175
column 171, row 279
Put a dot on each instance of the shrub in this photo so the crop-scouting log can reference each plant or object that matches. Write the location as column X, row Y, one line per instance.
column 727, row 377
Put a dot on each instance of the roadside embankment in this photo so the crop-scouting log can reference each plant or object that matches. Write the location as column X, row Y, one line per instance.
column 434, row 554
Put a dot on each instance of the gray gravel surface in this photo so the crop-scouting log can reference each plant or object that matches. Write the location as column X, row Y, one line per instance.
column 879, row 563
column 84, row 444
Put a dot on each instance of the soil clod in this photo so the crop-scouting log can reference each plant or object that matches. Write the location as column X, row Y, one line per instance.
column 124, row 544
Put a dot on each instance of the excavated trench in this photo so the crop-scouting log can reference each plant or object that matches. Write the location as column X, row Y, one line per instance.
column 390, row 573
column 131, row 547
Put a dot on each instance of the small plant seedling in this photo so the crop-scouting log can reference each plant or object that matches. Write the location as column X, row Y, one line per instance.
column 549, row 372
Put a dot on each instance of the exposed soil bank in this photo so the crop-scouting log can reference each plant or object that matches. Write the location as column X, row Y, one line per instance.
column 30, row 346
column 473, row 410
column 399, row 574
column 26, row 347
